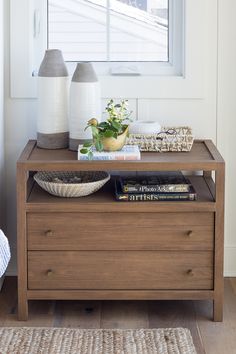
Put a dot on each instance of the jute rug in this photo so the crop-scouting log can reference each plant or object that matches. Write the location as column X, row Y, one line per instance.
column 95, row 341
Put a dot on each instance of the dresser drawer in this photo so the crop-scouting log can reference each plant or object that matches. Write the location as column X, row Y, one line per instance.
column 120, row 270
column 119, row 231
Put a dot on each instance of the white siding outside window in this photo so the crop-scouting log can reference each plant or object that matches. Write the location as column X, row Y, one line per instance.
column 109, row 30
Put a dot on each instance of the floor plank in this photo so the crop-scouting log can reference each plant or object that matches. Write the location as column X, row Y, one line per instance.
column 165, row 314
column 77, row 314
column 8, row 300
column 218, row 338
column 124, row 314
column 232, row 282
column 209, row 337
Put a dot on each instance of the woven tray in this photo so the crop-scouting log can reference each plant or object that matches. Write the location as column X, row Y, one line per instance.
column 174, row 139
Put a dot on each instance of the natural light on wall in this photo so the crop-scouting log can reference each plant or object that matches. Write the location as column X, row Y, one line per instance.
column 110, row 30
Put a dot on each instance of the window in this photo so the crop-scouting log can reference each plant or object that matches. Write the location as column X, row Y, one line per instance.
column 121, row 37
column 109, row 30
column 171, row 69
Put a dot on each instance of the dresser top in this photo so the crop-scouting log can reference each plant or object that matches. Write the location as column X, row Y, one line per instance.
column 203, row 156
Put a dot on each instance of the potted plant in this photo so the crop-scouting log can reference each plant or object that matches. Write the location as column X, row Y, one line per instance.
column 111, row 134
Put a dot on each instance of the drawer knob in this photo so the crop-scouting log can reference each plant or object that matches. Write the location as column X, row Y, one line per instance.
column 190, row 272
column 49, row 272
column 48, row 233
column 190, row 233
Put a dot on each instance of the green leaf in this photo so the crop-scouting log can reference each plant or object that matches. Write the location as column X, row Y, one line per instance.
column 90, row 155
column 95, row 130
column 116, row 125
column 98, row 145
column 103, row 125
column 88, row 144
column 108, row 133
column 84, row 151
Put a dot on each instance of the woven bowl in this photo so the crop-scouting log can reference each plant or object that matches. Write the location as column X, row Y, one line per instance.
column 98, row 179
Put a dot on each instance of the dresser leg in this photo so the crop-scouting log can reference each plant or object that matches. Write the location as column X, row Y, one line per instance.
column 218, row 310
column 22, row 309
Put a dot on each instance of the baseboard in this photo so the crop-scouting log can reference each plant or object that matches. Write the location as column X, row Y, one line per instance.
column 230, row 261
column 11, row 270
column 230, row 275
column 12, row 266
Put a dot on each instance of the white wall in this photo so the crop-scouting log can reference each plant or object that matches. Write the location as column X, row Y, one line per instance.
column 207, row 116
column 2, row 201
column 226, row 119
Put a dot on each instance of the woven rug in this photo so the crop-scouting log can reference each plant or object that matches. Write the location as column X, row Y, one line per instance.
column 95, row 341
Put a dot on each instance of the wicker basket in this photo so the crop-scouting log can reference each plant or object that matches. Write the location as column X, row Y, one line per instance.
column 45, row 180
column 175, row 139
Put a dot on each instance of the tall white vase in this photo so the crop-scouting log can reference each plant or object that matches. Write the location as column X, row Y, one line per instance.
column 85, row 103
column 53, row 102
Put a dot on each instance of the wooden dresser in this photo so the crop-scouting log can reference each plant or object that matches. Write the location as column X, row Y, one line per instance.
column 97, row 248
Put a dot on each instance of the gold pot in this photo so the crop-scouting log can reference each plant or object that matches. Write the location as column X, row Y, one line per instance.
column 113, row 144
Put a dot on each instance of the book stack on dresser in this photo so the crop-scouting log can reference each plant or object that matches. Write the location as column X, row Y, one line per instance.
column 127, row 153
column 167, row 186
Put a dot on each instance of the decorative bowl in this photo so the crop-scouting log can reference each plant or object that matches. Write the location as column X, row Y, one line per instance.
column 53, row 182
column 144, row 127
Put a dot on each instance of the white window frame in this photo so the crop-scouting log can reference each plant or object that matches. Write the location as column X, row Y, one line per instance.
column 185, row 83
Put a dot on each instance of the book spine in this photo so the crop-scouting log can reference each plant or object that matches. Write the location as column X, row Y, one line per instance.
column 127, row 157
column 167, row 188
column 155, row 197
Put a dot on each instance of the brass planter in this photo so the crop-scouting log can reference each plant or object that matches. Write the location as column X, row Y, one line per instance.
column 112, row 144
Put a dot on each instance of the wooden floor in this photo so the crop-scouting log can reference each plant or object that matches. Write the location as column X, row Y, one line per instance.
column 209, row 337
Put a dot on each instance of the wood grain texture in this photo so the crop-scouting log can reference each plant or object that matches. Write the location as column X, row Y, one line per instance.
column 178, row 314
column 219, row 245
column 22, row 243
column 129, row 314
column 199, row 158
column 27, row 151
column 209, row 337
column 120, row 294
column 119, row 270
column 104, row 200
column 97, row 248
column 78, row 314
column 120, row 231
column 218, row 337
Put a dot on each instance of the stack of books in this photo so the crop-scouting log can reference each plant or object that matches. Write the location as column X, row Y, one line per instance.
column 128, row 152
column 170, row 186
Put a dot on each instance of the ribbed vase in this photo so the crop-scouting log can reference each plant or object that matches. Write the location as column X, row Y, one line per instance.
column 53, row 101
column 85, row 103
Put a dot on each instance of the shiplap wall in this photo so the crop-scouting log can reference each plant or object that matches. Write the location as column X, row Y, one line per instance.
column 212, row 117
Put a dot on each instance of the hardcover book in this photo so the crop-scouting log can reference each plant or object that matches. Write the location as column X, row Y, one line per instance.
column 172, row 182
column 158, row 196
column 128, row 152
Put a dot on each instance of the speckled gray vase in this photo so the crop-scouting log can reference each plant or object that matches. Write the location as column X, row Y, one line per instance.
column 53, row 96
column 85, row 103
